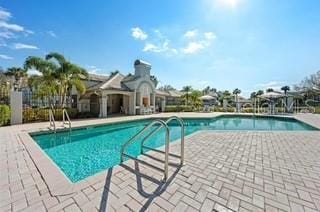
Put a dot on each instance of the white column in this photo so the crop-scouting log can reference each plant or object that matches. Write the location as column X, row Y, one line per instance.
column 163, row 105
column 16, row 107
column 154, row 100
column 103, row 108
column 134, row 102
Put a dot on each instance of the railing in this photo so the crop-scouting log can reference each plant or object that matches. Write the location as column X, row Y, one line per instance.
column 138, row 135
column 64, row 116
column 52, row 122
column 158, row 129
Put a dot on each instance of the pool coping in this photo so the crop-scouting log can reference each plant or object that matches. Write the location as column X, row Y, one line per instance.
column 59, row 184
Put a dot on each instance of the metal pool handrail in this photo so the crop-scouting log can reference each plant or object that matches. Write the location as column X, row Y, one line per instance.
column 182, row 138
column 138, row 135
column 64, row 115
column 52, row 122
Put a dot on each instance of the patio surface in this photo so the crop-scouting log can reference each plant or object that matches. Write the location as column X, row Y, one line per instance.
column 223, row 171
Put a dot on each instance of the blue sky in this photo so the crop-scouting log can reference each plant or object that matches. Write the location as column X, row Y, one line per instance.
column 227, row 44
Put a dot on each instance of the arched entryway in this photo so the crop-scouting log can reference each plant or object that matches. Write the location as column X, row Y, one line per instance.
column 94, row 104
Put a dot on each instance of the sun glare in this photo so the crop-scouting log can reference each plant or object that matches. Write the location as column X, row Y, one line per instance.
column 228, row 3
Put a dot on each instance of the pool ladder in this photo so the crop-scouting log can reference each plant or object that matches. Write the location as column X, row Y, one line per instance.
column 65, row 120
column 163, row 124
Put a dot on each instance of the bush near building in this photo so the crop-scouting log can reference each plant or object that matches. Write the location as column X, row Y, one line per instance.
column 4, row 115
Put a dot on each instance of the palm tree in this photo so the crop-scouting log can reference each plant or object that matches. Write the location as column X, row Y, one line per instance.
column 18, row 73
column 194, row 97
column 187, row 90
column 237, row 92
column 269, row 90
column 58, row 75
column 285, row 89
column 260, row 92
column 155, row 80
column 206, row 90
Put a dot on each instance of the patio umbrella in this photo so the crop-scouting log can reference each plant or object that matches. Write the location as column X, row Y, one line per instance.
column 272, row 95
column 207, row 97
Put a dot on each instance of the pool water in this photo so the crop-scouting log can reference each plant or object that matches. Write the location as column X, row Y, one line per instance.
column 86, row 151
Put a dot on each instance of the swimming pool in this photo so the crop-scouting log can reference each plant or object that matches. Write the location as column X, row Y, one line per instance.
column 86, row 151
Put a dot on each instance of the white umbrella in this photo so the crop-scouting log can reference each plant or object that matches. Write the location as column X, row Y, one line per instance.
column 272, row 95
column 207, row 97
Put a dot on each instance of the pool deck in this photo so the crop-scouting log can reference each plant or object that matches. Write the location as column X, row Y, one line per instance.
column 223, row 171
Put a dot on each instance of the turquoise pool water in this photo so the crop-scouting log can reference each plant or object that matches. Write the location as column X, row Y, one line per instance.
column 86, row 151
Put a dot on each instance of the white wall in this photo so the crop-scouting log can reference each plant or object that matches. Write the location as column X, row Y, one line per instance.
column 16, row 107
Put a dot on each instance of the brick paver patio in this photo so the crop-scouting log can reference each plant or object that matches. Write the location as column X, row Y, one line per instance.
column 223, row 171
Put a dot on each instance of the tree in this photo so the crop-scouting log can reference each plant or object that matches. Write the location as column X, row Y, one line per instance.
column 187, row 89
column 253, row 95
column 167, row 88
column 17, row 73
column 310, row 85
column 237, row 92
column 260, row 92
column 194, row 97
column 58, row 75
column 269, row 90
column 285, row 89
column 155, row 80
column 206, row 90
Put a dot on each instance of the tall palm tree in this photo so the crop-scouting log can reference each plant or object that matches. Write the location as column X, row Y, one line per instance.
column 285, row 89
column 269, row 90
column 155, row 80
column 259, row 92
column 187, row 89
column 236, row 92
column 58, row 75
column 206, row 90
column 18, row 73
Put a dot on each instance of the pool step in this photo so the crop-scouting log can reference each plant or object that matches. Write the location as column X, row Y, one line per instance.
column 161, row 124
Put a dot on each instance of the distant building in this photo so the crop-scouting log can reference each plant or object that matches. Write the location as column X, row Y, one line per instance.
column 132, row 94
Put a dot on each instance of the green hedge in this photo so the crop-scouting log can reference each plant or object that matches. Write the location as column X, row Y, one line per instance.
column 42, row 114
column 317, row 110
column 178, row 108
column 4, row 115
column 220, row 109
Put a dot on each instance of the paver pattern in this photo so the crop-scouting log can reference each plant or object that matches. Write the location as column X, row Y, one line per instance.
column 223, row 171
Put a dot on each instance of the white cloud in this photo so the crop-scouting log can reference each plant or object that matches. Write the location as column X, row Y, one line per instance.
column 5, row 57
column 10, row 30
column 209, row 35
column 93, row 69
column 275, row 85
column 6, row 34
column 13, row 27
column 138, row 33
column 52, row 34
column 191, row 33
column 24, row 46
column 4, row 15
column 162, row 47
column 196, row 46
column 193, row 47
column 159, row 43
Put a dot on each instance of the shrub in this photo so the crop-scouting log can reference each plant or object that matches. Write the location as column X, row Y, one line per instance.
column 317, row 110
column 247, row 110
column 178, row 108
column 220, row 109
column 42, row 114
column 4, row 115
